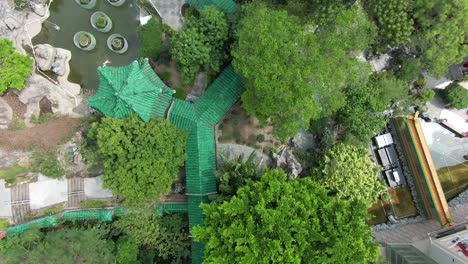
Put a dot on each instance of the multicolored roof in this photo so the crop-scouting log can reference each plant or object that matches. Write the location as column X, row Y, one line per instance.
column 134, row 88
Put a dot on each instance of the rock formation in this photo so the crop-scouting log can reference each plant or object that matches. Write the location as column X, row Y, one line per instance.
column 286, row 160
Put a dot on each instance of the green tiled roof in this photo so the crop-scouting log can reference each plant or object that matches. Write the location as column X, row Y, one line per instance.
column 48, row 221
column 201, row 161
column 170, row 208
column 134, row 88
column 101, row 215
column 182, row 115
column 211, row 107
column 226, row 5
column 196, row 216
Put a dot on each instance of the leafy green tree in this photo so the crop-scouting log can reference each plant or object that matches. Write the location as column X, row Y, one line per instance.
column 235, row 174
column 441, row 31
column 456, row 95
column 67, row 245
column 150, row 36
column 362, row 116
column 14, row 67
column 47, row 163
column 167, row 234
column 276, row 220
column 141, row 160
column 350, row 175
column 293, row 73
column 201, row 41
column 411, row 69
column 427, row 95
column 127, row 251
column 394, row 21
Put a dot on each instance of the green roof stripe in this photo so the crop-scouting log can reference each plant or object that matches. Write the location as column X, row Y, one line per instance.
column 170, row 208
column 226, row 5
column 211, row 107
column 48, row 221
column 101, row 215
column 201, row 161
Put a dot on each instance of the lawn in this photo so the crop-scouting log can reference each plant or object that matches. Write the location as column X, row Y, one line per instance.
column 454, row 179
column 11, row 175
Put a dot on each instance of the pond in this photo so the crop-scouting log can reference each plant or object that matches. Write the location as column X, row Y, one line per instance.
column 71, row 18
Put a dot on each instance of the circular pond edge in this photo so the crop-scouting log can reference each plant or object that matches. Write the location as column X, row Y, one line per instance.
column 91, row 4
column 94, row 18
column 109, row 43
column 116, row 3
column 76, row 40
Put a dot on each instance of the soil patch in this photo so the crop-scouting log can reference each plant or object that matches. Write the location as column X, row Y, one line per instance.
column 19, row 109
column 171, row 76
column 238, row 127
column 44, row 136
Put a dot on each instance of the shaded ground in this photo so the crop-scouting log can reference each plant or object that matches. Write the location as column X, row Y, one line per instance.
column 454, row 179
column 44, row 136
column 19, row 109
column 240, row 128
column 401, row 205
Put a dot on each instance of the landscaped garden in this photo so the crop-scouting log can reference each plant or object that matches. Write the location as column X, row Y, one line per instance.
column 243, row 73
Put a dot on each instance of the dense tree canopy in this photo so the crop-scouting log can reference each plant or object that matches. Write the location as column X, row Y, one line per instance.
column 141, row 160
column 150, row 36
column 294, row 72
column 167, row 235
column 14, row 67
column 67, row 245
column 394, row 21
column 280, row 221
column 362, row 116
column 201, row 41
column 349, row 174
column 441, row 31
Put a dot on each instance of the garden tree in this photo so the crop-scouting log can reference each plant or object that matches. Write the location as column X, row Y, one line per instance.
column 411, row 69
column 201, row 41
column 394, row 23
column 276, row 220
column 441, row 31
column 235, row 174
column 150, row 36
column 293, row 73
column 126, row 251
column 141, row 160
column 14, row 67
column 362, row 115
column 167, row 235
column 426, row 95
column 456, row 95
column 66, row 245
column 349, row 174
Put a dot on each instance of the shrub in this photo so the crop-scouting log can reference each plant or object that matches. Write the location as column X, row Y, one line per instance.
column 54, row 210
column 14, row 67
column 22, row 4
column 43, row 117
column 426, row 95
column 47, row 164
column 180, row 94
column 101, row 22
column 167, row 75
column 10, row 175
column 93, row 204
column 421, row 81
column 150, row 36
column 410, row 70
column 456, row 95
column 17, row 124
column 4, row 223
column 260, row 138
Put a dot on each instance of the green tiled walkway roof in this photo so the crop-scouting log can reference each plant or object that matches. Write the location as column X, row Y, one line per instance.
column 134, row 88
column 226, row 5
column 182, row 114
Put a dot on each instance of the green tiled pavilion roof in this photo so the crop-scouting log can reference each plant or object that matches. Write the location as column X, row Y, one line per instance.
column 226, row 5
column 182, row 114
column 201, row 161
column 134, row 88
column 211, row 107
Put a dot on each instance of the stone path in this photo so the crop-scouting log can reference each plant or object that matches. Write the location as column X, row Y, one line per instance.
column 76, row 192
column 419, row 231
column 170, row 12
column 20, row 202
column 6, row 114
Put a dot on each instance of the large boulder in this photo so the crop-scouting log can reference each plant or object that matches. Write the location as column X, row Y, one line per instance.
column 45, row 56
column 286, row 160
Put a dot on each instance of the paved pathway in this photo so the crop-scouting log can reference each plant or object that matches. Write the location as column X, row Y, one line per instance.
column 418, row 231
column 170, row 11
